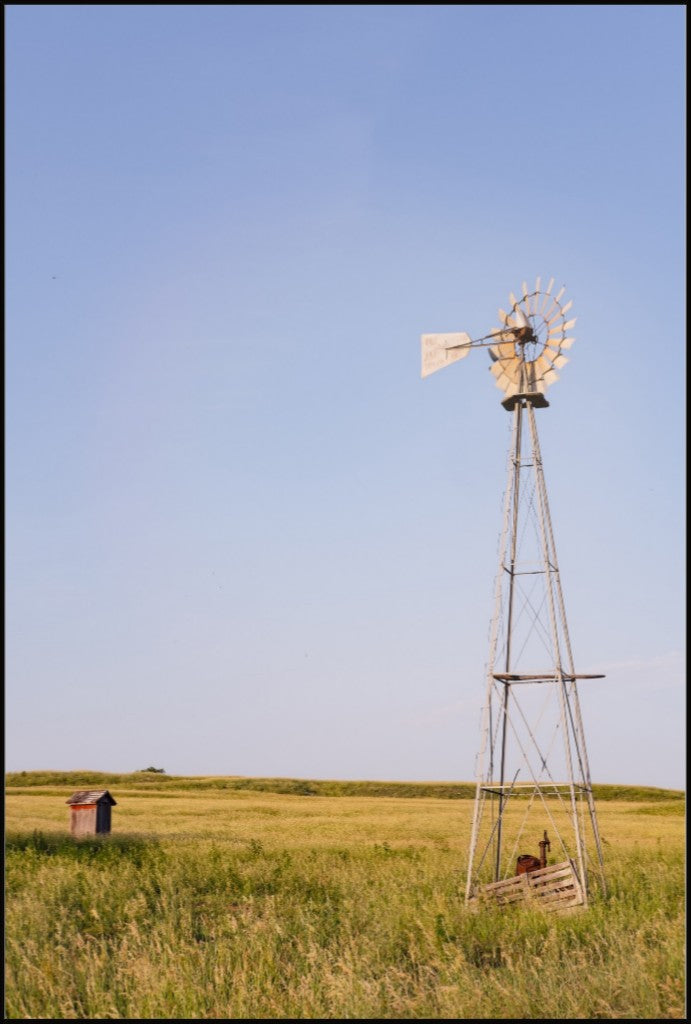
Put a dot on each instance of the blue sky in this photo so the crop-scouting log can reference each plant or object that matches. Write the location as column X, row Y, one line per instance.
column 242, row 535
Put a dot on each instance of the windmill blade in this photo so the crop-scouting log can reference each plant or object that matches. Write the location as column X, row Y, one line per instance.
column 566, row 343
column 521, row 320
column 503, row 382
column 507, row 319
column 507, row 350
column 504, row 342
column 552, row 314
column 512, row 369
column 440, row 350
column 536, row 296
column 560, row 329
column 542, row 365
column 504, row 379
column 570, row 325
column 547, row 295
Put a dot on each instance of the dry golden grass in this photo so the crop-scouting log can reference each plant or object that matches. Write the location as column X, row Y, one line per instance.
column 245, row 905
column 290, row 821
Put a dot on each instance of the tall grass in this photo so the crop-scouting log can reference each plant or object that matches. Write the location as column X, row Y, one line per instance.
column 238, row 905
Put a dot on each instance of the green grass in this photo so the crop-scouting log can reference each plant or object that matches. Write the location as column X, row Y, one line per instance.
column 216, row 903
column 153, row 781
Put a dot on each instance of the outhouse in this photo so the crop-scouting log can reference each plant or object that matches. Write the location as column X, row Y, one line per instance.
column 90, row 812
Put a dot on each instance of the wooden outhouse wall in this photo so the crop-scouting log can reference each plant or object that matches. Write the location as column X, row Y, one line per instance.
column 103, row 817
column 83, row 820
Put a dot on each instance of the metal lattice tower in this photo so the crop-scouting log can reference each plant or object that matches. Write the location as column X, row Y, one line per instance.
column 532, row 767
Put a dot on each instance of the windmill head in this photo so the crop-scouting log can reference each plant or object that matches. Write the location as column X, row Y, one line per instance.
column 526, row 350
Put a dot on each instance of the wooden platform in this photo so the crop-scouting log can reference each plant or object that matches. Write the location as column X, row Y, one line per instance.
column 555, row 888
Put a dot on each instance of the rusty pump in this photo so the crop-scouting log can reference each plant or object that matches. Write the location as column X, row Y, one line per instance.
column 526, row 862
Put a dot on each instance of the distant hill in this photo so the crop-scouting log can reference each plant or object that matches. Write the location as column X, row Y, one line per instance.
column 155, row 780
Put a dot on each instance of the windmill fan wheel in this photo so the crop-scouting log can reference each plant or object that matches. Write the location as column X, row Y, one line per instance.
column 533, row 336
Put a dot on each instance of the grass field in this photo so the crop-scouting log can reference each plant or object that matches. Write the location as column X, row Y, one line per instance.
column 243, row 901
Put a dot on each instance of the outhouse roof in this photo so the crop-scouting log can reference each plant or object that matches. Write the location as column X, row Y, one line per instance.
column 91, row 796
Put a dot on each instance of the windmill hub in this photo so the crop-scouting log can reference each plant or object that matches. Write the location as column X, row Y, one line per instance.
column 525, row 335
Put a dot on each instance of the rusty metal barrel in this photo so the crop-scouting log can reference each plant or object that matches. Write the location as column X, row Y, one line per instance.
column 526, row 862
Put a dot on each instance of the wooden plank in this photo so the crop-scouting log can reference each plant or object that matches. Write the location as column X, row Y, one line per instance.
column 545, row 879
column 552, row 867
column 563, row 878
column 562, row 887
column 512, row 897
column 502, row 884
column 513, row 880
column 555, row 884
column 556, row 897
column 550, row 890
column 547, row 894
column 558, row 886
column 549, row 879
column 572, row 900
column 560, row 879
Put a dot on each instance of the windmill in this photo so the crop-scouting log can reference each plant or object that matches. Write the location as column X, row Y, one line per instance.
column 532, row 766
